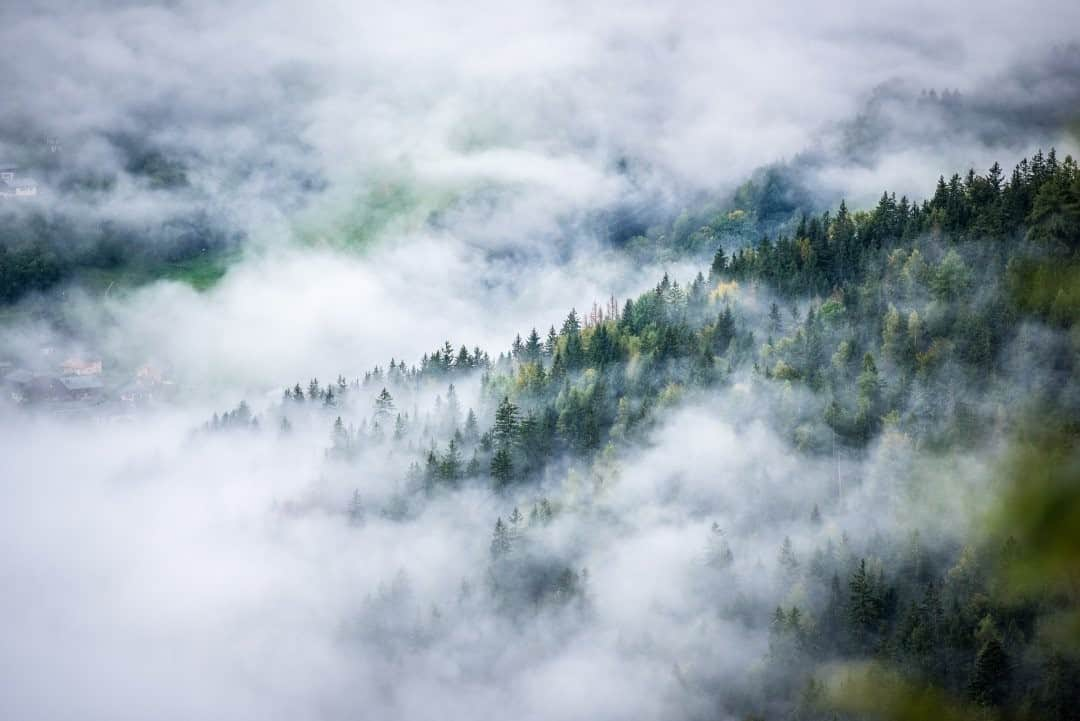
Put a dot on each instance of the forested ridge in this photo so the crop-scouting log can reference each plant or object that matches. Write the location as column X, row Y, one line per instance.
column 929, row 327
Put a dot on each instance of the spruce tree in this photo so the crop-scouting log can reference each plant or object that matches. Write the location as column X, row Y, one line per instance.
column 500, row 540
column 719, row 265
column 502, row 468
column 384, row 405
column 990, row 677
column 506, row 423
column 533, row 348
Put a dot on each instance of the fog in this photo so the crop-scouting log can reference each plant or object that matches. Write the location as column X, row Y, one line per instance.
column 393, row 178
column 272, row 107
column 154, row 573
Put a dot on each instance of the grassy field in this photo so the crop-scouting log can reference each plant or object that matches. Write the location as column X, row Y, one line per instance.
column 200, row 273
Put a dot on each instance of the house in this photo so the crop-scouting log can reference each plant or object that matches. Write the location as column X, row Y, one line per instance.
column 25, row 386
column 81, row 388
column 150, row 382
column 135, row 394
column 11, row 186
column 17, row 385
column 76, row 366
column 149, row 375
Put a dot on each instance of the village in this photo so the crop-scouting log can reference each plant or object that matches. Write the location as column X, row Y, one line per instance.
column 81, row 382
column 13, row 186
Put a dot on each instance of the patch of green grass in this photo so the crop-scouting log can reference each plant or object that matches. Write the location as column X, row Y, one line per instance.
column 201, row 273
column 391, row 207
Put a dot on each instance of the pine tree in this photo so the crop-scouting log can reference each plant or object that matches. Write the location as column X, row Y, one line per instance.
column 506, row 423
column 451, row 465
column 463, row 360
column 473, row 469
column 574, row 350
column 571, row 324
column 472, row 428
column 431, row 470
column 339, row 437
column 384, row 404
column 356, row 509
column 719, row 265
column 551, row 342
column 717, row 552
column 864, row 604
column 725, row 331
column 775, row 322
column 870, row 409
column 500, row 540
column 453, row 410
column 558, row 367
column 990, row 678
column 533, row 348
column 502, row 468
column 789, row 563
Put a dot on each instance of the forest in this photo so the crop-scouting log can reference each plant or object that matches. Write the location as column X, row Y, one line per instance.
column 894, row 327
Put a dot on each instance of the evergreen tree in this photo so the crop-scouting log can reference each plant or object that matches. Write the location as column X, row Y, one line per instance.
column 500, row 540
column 506, row 423
column 453, row 410
column 864, row 603
column 870, row 406
column 450, row 468
column 472, row 470
column 719, row 265
column 717, row 552
column 533, row 348
column 775, row 322
column 990, row 678
column 384, row 405
column 356, row 509
column 339, row 437
column 551, row 342
column 472, row 428
column 789, row 563
column 502, row 468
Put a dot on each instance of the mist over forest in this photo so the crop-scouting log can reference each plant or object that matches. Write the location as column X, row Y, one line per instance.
column 539, row 361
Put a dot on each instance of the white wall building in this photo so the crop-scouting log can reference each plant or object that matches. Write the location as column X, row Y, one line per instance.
column 11, row 186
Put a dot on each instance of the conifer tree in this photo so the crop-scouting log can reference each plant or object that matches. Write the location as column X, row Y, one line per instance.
column 719, row 265
column 500, row 540
column 533, row 348
column 990, row 677
column 472, row 428
column 551, row 342
column 506, row 423
column 502, row 468
column 384, row 404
